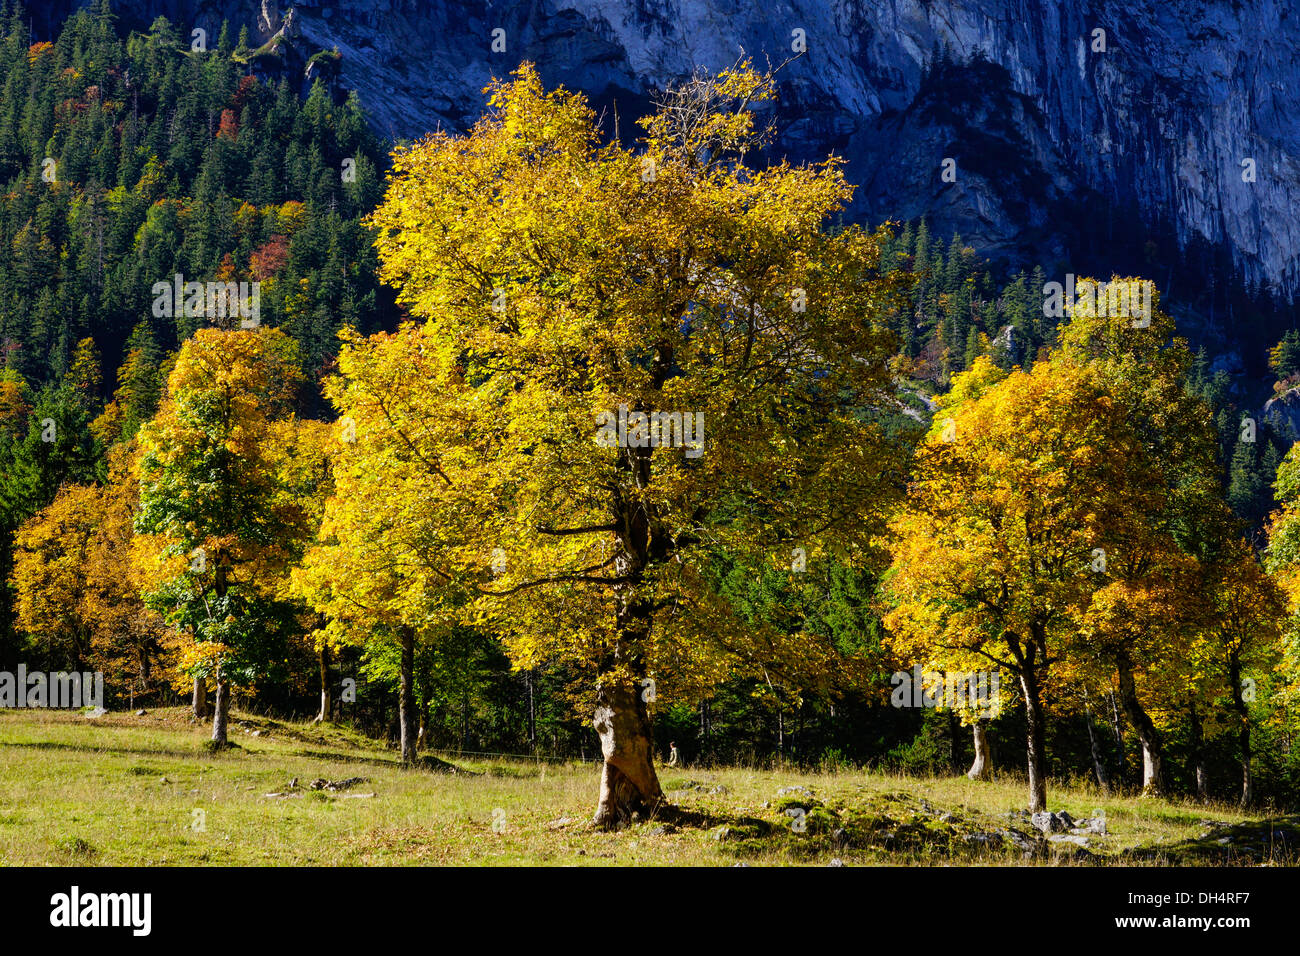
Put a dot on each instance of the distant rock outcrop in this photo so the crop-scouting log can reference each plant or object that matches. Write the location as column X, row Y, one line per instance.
column 1283, row 412
column 1167, row 111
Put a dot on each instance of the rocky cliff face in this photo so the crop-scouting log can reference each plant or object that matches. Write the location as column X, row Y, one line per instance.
column 1056, row 131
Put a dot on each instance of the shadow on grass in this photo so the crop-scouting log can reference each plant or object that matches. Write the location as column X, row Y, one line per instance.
column 1274, row 840
column 426, row 762
column 82, row 748
column 905, row 830
column 339, row 758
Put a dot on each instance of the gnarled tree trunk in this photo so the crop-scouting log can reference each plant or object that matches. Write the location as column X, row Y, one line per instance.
column 1030, row 656
column 221, row 713
column 200, row 702
column 145, row 671
column 628, row 782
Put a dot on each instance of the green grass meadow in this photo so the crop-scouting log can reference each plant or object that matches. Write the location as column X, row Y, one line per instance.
column 129, row 790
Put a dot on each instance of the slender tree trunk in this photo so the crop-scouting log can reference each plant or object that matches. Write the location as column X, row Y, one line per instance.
column 1036, row 737
column 1243, row 732
column 954, row 741
column 798, row 733
column 406, row 696
column 532, row 715
column 1247, row 783
column 464, row 719
column 1117, row 732
column 979, row 768
column 145, row 671
column 324, row 657
column 1098, row 763
column 1198, row 754
column 1153, row 755
column 703, row 730
column 221, row 712
column 200, row 701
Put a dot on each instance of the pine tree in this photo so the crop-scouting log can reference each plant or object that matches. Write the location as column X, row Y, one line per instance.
column 1245, row 483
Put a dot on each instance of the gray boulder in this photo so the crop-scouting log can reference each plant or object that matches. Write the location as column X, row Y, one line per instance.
column 1052, row 822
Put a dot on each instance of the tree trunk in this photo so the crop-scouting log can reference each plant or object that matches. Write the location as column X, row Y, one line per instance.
column 1243, row 733
column 464, row 719
column 704, row 731
column 200, row 701
column 1036, row 738
column 324, row 656
column 221, row 713
column 532, row 715
column 954, row 741
column 979, row 768
column 1121, row 764
column 145, row 670
column 406, row 696
column 1198, row 754
column 1098, row 763
column 628, row 783
column 1153, row 756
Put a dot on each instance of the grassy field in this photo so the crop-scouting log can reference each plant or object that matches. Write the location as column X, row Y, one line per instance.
column 143, row 791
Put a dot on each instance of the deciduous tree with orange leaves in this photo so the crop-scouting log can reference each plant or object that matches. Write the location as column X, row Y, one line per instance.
column 78, row 593
column 217, row 526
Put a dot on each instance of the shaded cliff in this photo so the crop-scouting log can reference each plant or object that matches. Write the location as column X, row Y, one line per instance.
column 1066, row 144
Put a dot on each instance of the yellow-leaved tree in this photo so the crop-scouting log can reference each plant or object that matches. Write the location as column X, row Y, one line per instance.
column 628, row 363
column 1153, row 607
column 1060, row 522
column 383, row 571
column 304, row 451
column 994, row 554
